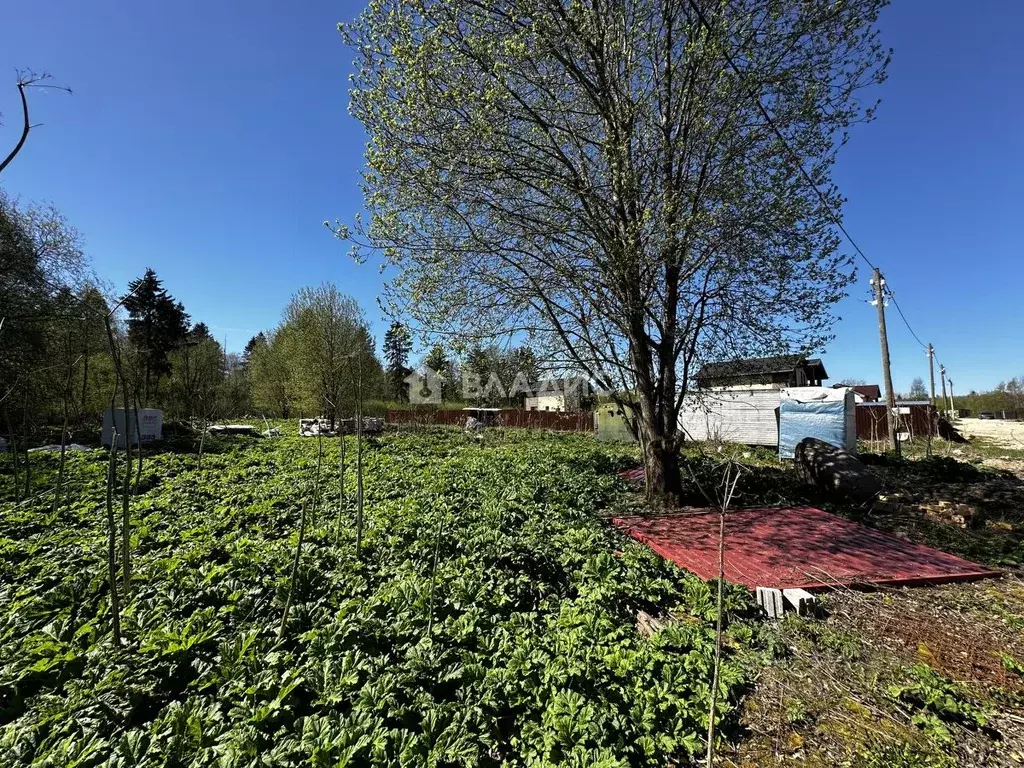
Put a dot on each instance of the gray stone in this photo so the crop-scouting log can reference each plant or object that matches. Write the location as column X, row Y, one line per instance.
column 835, row 471
column 55, row 447
column 231, row 429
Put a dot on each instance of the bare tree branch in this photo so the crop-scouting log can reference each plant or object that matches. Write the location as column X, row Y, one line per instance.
column 26, row 80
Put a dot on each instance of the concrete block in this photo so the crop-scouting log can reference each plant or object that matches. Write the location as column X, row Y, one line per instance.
column 803, row 601
column 770, row 600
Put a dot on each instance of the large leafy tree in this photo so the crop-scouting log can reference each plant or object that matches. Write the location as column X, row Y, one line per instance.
column 198, row 370
column 917, row 390
column 327, row 345
column 80, row 374
column 24, row 299
column 157, row 326
column 47, row 312
column 270, row 381
column 41, row 263
column 600, row 175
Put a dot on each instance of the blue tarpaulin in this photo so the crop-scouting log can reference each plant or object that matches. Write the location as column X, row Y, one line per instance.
column 815, row 412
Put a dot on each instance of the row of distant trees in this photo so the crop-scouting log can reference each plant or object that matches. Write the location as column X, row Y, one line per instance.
column 61, row 329
column 322, row 356
column 1007, row 396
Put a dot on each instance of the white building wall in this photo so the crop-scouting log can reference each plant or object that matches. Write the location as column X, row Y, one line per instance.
column 545, row 403
column 735, row 415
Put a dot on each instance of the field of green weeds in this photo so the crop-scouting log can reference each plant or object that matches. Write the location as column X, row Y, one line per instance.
column 489, row 619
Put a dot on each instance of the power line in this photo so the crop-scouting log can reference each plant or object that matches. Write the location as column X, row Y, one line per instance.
column 905, row 321
column 803, row 172
column 771, row 124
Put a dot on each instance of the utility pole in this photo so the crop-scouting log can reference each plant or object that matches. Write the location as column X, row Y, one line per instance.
column 931, row 369
column 942, row 380
column 952, row 402
column 890, row 396
column 931, row 378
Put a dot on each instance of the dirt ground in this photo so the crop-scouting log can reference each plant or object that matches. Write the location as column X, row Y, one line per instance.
column 924, row 677
column 897, row 677
column 1009, row 434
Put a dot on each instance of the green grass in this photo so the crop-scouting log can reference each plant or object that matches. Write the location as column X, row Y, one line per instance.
column 975, row 449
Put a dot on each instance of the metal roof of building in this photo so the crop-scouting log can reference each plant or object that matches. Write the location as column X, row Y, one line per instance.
column 753, row 366
column 796, row 547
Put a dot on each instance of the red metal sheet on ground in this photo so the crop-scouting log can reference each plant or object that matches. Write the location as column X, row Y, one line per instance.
column 796, row 547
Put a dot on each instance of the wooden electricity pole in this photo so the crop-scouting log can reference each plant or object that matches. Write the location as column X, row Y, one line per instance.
column 942, row 378
column 890, row 396
column 931, row 402
column 931, row 369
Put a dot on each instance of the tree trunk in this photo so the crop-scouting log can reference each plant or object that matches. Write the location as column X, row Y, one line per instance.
column 138, row 475
column 126, row 516
column 85, row 379
column 655, row 430
column 27, row 438
column 330, row 411
column 119, row 379
column 14, row 456
column 58, row 491
column 661, row 465
column 115, row 610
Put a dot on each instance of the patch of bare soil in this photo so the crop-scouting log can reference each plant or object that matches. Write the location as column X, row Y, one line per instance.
column 961, row 631
column 1013, row 466
column 907, row 677
column 1008, row 434
column 972, row 510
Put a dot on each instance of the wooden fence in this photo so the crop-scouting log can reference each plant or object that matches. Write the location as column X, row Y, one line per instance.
column 872, row 423
column 582, row 421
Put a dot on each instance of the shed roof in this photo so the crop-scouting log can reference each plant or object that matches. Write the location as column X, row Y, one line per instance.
column 869, row 391
column 753, row 366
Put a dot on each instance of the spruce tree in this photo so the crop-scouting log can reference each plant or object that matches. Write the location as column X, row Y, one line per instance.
column 157, row 325
column 397, row 346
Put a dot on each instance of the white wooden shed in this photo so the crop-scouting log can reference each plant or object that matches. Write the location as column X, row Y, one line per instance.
column 748, row 416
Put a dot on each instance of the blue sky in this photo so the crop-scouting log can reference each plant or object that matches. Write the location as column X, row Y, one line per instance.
column 210, row 140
